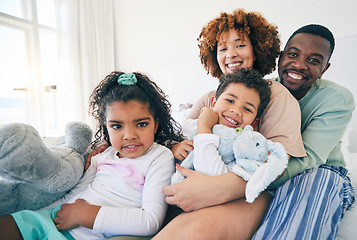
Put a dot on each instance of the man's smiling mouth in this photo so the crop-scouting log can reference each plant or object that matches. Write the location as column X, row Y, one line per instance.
column 295, row 76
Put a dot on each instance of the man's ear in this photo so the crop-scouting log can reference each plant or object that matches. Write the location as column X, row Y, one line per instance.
column 325, row 69
column 213, row 102
column 255, row 122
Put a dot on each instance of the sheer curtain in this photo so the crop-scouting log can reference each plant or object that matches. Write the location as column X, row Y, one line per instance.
column 87, row 56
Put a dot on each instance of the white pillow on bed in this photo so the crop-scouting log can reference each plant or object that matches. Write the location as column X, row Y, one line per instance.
column 344, row 148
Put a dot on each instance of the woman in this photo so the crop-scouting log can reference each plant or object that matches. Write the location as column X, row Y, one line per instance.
column 215, row 207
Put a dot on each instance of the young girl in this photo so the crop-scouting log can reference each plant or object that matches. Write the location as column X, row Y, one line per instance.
column 125, row 197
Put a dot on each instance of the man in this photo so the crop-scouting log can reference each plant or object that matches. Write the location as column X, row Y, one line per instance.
column 311, row 204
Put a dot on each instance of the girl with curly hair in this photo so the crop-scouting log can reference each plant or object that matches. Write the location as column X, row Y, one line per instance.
column 124, row 196
column 215, row 206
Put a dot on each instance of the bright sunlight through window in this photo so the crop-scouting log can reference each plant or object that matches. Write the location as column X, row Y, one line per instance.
column 29, row 62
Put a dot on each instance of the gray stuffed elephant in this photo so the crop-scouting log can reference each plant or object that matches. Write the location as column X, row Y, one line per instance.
column 33, row 175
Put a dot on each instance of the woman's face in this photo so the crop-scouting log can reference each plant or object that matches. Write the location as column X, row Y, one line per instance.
column 233, row 53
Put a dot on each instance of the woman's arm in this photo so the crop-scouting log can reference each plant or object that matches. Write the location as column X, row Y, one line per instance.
column 203, row 101
column 199, row 190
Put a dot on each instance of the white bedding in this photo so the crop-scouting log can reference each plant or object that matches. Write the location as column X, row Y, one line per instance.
column 348, row 227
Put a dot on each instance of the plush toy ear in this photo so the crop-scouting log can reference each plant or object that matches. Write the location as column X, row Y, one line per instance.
column 277, row 149
column 268, row 172
column 248, row 128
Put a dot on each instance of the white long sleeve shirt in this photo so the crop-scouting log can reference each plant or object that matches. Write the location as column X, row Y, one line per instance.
column 129, row 191
column 206, row 158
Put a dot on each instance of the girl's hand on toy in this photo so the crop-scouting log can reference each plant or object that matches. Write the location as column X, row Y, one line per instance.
column 182, row 149
column 199, row 190
column 207, row 119
column 79, row 213
column 96, row 151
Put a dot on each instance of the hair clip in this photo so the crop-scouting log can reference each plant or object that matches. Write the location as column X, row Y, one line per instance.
column 127, row 79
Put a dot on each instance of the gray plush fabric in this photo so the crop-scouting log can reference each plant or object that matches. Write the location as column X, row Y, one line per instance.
column 33, row 175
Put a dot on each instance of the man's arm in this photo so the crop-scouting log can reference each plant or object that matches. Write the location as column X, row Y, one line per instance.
column 322, row 130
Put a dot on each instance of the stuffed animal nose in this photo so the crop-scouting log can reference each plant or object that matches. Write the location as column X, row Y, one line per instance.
column 244, row 146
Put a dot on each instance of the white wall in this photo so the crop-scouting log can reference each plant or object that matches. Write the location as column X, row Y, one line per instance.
column 159, row 39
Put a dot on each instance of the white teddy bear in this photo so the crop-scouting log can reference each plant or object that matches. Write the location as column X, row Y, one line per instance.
column 256, row 159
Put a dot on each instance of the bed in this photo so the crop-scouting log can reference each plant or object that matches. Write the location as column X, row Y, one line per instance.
column 348, row 228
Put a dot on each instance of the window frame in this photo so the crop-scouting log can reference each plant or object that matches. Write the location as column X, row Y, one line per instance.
column 35, row 99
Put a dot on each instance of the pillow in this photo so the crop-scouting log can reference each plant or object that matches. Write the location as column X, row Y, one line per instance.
column 344, row 148
column 180, row 114
column 53, row 141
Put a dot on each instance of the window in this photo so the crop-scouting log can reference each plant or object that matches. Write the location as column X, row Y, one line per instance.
column 31, row 47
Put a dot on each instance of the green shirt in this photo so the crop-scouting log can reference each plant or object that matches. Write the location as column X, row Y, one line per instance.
column 326, row 110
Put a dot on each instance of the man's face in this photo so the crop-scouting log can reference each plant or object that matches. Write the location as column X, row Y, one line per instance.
column 303, row 61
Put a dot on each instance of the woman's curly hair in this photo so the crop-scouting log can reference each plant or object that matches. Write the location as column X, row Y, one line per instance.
column 144, row 91
column 264, row 37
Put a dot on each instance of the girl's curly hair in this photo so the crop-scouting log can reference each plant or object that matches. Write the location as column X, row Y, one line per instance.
column 264, row 37
column 146, row 92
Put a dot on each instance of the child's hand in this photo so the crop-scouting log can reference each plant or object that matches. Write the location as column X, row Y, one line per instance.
column 96, row 151
column 79, row 213
column 182, row 149
column 207, row 119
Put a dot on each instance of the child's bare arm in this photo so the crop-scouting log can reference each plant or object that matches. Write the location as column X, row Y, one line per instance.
column 182, row 149
column 8, row 228
column 79, row 213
